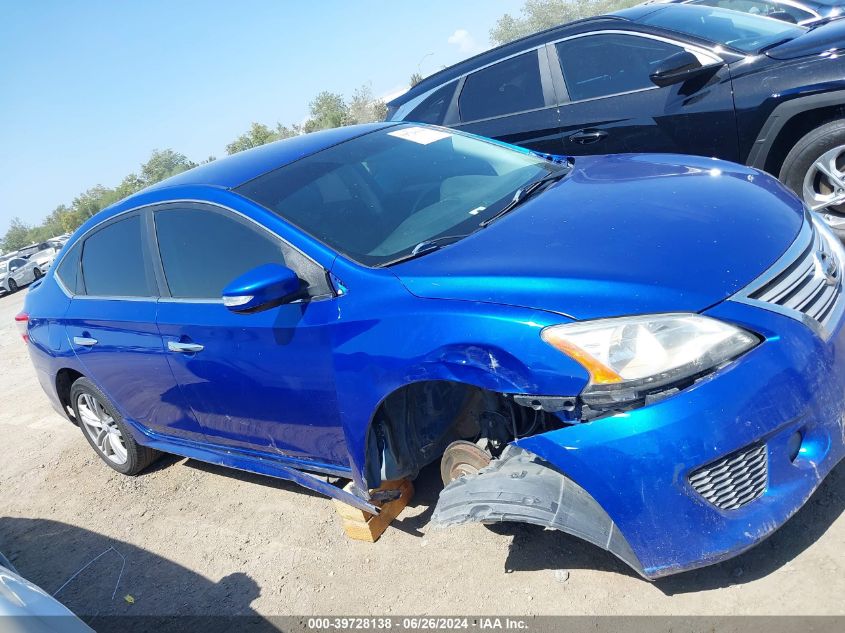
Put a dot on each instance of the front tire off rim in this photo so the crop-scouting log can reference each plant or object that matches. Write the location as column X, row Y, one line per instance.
column 824, row 182
column 102, row 429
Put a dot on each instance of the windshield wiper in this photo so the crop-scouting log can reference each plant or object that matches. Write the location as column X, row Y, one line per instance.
column 769, row 47
column 523, row 193
column 425, row 247
column 822, row 21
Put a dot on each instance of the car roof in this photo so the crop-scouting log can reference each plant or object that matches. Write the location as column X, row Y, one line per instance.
column 233, row 171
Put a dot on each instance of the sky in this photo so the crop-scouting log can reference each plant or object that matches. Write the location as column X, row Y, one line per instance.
column 90, row 89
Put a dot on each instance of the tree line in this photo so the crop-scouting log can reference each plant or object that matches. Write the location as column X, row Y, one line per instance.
column 326, row 110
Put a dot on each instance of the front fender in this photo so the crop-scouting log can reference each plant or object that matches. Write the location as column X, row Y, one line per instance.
column 490, row 346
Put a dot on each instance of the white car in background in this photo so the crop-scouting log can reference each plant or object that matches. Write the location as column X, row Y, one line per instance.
column 16, row 273
column 26, row 608
column 44, row 259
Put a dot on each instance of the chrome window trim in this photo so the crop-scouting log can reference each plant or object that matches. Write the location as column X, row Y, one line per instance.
column 804, row 239
column 704, row 55
column 165, row 203
column 116, row 298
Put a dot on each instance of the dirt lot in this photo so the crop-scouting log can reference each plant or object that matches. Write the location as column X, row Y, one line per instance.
column 191, row 538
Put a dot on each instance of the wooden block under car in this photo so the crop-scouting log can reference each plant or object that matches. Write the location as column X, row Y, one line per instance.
column 363, row 526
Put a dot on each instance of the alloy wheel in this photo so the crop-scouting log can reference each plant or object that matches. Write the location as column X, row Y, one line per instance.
column 824, row 185
column 102, row 429
column 13, row 287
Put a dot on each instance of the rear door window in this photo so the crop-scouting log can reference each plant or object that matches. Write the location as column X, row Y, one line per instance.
column 114, row 262
column 511, row 86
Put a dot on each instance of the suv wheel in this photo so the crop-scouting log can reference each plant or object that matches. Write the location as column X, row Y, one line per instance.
column 13, row 287
column 106, row 431
column 815, row 170
column 36, row 272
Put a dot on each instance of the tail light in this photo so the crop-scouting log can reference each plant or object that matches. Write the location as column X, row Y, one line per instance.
column 22, row 321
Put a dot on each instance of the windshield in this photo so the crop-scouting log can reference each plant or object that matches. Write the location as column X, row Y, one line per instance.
column 377, row 196
column 742, row 31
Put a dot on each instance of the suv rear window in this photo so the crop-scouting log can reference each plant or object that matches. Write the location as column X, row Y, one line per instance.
column 433, row 108
column 508, row 87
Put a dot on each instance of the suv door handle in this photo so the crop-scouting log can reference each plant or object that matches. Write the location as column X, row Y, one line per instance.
column 84, row 341
column 586, row 137
column 184, row 348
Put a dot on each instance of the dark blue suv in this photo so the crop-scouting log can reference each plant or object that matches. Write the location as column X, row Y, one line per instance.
column 662, row 78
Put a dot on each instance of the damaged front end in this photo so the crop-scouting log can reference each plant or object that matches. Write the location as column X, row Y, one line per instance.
column 521, row 487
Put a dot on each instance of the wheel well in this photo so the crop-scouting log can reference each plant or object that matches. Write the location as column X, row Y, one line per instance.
column 796, row 127
column 64, row 379
column 413, row 425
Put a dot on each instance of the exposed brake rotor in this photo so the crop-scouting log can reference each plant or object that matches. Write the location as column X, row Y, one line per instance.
column 462, row 458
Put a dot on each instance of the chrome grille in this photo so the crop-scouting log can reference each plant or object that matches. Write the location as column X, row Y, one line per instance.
column 735, row 480
column 806, row 283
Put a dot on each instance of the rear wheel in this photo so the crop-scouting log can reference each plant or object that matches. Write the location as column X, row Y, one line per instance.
column 37, row 273
column 13, row 286
column 815, row 170
column 106, row 431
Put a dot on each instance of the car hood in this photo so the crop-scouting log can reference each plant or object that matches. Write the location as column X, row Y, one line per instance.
column 828, row 39
column 625, row 234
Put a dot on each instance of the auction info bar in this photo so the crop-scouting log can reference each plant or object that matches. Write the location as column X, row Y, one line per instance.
column 538, row 624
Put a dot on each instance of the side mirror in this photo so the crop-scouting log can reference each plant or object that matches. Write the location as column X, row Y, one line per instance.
column 678, row 68
column 262, row 288
column 13, row 268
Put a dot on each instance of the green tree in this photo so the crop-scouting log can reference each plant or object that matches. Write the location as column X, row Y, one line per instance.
column 328, row 110
column 163, row 164
column 91, row 201
column 17, row 236
column 537, row 15
column 258, row 134
column 364, row 108
column 283, row 131
column 129, row 185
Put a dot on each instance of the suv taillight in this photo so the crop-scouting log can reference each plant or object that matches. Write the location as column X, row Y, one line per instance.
column 22, row 321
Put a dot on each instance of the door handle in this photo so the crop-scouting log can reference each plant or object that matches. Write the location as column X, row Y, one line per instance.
column 84, row 341
column 586, row 137
column 184, row 348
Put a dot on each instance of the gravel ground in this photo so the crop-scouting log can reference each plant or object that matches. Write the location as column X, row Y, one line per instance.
column 186, row 537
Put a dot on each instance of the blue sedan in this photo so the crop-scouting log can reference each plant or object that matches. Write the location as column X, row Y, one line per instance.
column 644, row 351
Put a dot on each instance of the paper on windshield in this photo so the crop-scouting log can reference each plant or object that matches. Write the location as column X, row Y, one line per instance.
column 421, row 135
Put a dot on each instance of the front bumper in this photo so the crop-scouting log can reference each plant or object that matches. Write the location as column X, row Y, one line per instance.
column 635, row 466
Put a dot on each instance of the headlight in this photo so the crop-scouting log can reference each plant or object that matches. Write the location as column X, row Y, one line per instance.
column 632, row 358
